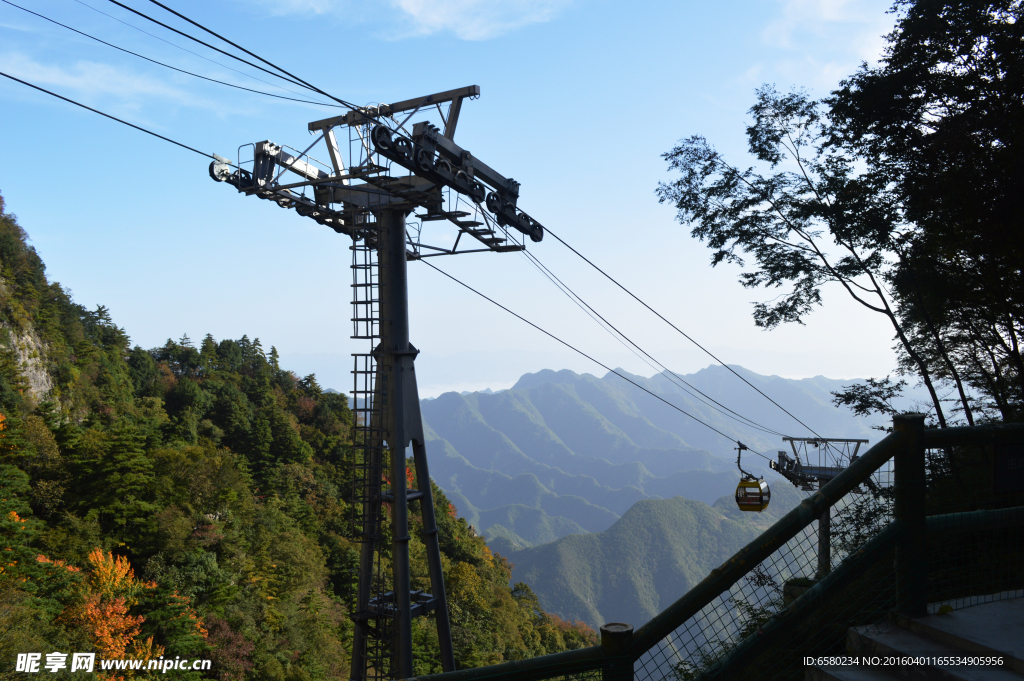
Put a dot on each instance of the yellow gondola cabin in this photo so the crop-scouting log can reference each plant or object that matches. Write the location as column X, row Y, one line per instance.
column 753, row 495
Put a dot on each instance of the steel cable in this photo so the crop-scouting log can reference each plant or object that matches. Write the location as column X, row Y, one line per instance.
column 680, row 331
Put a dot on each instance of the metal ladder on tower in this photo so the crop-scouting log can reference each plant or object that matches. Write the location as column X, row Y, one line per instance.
column 370, row 463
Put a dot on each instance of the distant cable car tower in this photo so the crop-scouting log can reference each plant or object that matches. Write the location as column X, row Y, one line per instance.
column 812, row 472
column 390, row 173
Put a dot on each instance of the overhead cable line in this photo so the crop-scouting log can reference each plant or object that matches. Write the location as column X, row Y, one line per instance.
column 647, row 358
column 193, row 38
column 601, row 364
column 680, row 331
column 179, row 47
column 251, row 54
column 160, row 63
column 113, row 118
column 597, row 362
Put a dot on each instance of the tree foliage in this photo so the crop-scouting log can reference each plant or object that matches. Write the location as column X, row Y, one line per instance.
column 194, row 501
column 942, row 119
column 899, row 188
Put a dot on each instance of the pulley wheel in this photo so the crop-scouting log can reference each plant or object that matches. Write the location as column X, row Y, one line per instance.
column 423, row 159
column 493, row 202
column 381, row 137
column 477, row 192
column 403, row 147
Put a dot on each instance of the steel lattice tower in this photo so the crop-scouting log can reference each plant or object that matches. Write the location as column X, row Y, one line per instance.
column 370, row 203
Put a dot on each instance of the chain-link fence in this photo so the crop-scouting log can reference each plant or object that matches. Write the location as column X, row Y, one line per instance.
column 968, row 563
column 708, row 643
column 924, row 519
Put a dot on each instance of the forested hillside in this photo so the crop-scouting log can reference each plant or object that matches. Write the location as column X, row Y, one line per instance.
column 191, row 500
column 656, row 552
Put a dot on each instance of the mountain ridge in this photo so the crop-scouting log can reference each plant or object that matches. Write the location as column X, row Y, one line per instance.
column 609, row 444
column 652, row 555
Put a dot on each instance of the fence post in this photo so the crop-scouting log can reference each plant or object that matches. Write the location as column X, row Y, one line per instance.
column 909, row 510
column 616, row 638
column 825, row 543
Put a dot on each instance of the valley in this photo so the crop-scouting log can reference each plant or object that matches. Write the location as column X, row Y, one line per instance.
column 607, row 502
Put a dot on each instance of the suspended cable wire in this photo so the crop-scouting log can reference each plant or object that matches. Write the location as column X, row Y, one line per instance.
column 217, row 49
column 673, row 377
column 251, row 54
column 680, row 331
column 113, row 118
column 179, row 47
column 160, row 63
column 597, row 362
column 643, row 355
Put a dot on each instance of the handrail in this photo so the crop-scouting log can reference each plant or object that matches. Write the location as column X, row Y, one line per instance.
column 787, row 527
column 851, row 568
column 729, row 573
column 989, row 519
column 935, row 438
column 542, row 667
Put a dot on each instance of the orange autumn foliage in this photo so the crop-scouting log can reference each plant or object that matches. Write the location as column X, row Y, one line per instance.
column 410, row 478
column 109, row 592
column 113, row 576
column 59, row 563
column 112, row 629
column 5, row 446
column 188, row 612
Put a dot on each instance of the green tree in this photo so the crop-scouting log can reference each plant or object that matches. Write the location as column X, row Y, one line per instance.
column 941, row 117
column 899, row 188
column 125, row 487
column 811, row 221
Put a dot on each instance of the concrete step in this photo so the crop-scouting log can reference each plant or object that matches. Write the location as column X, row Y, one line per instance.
column 989, row 629
column 892, row 645
column 995, row 628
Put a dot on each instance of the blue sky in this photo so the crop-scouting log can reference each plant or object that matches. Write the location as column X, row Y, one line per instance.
column 579, row 100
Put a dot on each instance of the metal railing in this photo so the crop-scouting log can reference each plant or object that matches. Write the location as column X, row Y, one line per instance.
column 921, row 519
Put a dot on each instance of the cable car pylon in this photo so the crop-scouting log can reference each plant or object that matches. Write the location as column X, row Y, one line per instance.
column 834, row 455
column 390, row 173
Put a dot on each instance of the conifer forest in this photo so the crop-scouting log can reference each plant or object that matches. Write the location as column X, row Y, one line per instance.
column 192, row 500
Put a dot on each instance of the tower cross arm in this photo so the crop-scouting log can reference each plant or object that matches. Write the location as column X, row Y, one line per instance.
column 359, row 117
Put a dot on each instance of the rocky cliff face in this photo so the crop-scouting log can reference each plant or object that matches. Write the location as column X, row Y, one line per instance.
column 29, row 352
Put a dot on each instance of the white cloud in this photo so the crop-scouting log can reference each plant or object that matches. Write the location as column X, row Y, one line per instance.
column 118, row 90
column 16, row 27
column 466, row 19
column 476, row 19
column 285, row 7
column 801, row 18
column 87, row 77
column 844, row 32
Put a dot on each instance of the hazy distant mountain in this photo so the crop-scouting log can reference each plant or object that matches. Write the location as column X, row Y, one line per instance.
column 560, row 452
column 610, row 503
